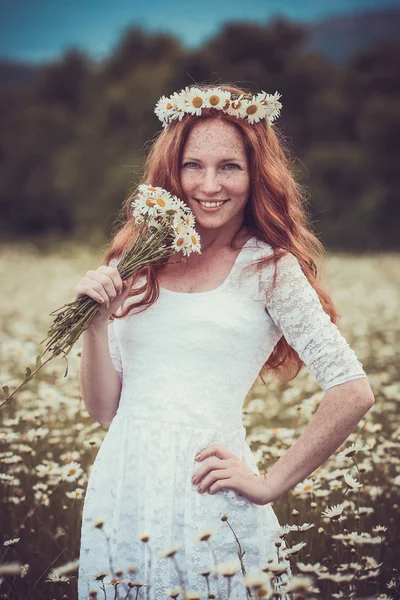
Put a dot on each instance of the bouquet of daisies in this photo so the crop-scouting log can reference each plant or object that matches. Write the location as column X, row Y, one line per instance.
column 165, row 227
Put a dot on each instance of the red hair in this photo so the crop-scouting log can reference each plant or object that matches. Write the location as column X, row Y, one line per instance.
column 276, row 213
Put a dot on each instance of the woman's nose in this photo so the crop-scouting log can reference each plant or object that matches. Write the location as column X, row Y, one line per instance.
column 210, row 182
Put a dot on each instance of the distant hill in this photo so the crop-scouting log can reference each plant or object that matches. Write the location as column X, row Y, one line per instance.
column 337, row 38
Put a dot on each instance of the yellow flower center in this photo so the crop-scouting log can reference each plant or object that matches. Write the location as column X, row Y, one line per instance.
column 150, row 202
column 227, row 103
column 308, row 487
column 160, row 202
column 236, row 105
column 179, row 242
column 214, row 100
column 197, row 101
column 251, row 109
column 151, row 189
column 194, row 240
column 169, row 106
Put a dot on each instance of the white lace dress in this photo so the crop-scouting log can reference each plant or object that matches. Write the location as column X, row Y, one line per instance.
column 186, row 365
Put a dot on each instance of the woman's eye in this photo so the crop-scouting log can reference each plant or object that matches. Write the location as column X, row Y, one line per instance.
column 190, row 163
column 232, row 165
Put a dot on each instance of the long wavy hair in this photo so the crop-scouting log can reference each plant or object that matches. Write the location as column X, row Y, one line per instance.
column 277, row 213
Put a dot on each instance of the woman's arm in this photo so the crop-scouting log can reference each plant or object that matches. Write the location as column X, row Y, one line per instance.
column 340, row 410
column 100, row 383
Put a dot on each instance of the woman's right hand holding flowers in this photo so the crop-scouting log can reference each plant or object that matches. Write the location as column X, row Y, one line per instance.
column 106, row 287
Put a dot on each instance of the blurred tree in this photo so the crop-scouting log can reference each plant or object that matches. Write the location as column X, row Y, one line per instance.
column 72, row 145
column 65, row 82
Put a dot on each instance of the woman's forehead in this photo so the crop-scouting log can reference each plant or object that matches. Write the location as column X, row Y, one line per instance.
column 215, row 135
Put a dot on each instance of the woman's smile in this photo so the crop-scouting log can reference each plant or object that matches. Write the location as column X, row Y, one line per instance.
column 211, row 205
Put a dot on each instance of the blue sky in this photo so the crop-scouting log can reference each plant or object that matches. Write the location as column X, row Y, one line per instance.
column 40, row 30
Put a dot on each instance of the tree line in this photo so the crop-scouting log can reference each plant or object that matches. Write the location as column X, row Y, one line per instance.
column 72, row 143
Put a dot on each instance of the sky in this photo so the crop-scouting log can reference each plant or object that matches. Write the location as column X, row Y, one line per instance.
column 36, row 31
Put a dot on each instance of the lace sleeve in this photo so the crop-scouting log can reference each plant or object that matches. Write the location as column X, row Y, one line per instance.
column 295, row 308
column 115, row 352
column 113, row 344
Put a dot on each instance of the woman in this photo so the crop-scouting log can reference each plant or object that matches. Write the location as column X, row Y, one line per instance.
column 170, row 372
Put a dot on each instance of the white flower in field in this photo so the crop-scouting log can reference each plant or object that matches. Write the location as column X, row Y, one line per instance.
column 93, row 442
column 335, row 484
column 173, row 592
column 294, row 549
column 11, row 542
column 10, row 479
column 35, row 434
column 306, row 487
column 370, row 563
column 334, row 512
column 9, row 436
column 337, row 577
column 351, row 482
column 40, row 486
column 42, row 498
column 203, row 535
column 309, row 568
column 379, row 528
column 277, row 568
column 47, row 469
column 168, row 552
column 53, row 578
column 70, row 456
column 227, row 569
column 301, row 585
column 66, row 568
column 256, row 580
column 351, row 451
column 76, row 494
column 302, row 527
column 71, row 471
column 13, row 568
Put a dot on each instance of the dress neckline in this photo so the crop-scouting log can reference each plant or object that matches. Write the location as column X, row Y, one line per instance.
column 217, row 289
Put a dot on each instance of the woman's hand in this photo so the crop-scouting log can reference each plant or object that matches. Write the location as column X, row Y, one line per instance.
column 226, row 471
column 106, row 287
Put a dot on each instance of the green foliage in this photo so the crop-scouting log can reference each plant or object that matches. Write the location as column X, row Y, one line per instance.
column 73, row 144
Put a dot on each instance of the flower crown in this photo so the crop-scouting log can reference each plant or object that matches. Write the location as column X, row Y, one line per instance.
column 192, row 100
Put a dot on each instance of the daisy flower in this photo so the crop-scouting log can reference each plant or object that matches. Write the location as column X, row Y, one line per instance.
column 351, row 482
column 276, row 107
column 191, row 100
column 237, row 108
column 164, row 108
column 71, row 471
column 216, row 98
column 228, row 569
column 255, row 110
column 169, row 552
column 334, row 512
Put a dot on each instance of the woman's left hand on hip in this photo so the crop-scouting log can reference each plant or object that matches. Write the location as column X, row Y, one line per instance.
column 224, row 470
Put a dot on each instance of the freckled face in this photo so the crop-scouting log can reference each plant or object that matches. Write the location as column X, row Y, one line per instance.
column 214, row 168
